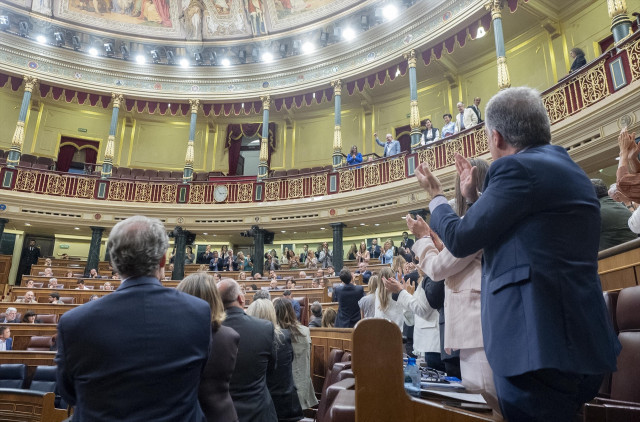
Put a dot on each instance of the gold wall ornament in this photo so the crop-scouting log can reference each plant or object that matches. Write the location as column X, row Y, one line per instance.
column 118, row 191
column 196, row 194
column 117, row 99
column 337, row 139
column 245, row 192
column 25, row 181
column 266, row 102
column 319, row 184
column 556, row 104
column 264, row 150
column 18, row 136
column 337, row 87
column 481, row 141
column 503, row 73
column 633, row 52
column 168, row 192
column 396, row 169
column 411, row 58
column 414, row 121
column 428, row 156
column 272, row 191
column 295, row 188
column 195, row 104
column 85, row 187
column 593, row 85
column 143, row 192
column 616, row 8
column 495, row 6
column 452, row 147
column 347, row 180
column 188, row 159
column 108, row 151
column 55, row 185
column 30, row 83
column 371, row 175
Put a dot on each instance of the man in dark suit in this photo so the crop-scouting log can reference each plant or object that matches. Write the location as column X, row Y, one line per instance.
column 29, row 257
column 206, row 256
column 256, row 356
column 366, row 274
column 230, row 263
column 374, row 250
column 216, row 264
column 407, row 242
column 546, row 331
column 132, row 354
column 347, row 296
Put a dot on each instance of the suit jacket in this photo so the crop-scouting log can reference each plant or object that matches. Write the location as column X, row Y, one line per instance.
column 280, row 382
column 234, row 264
column 542, row 304
column 374, row 253
column 140, row 348
column 390, row 148
column 347, row 297
column 216, row 264
column 315, row 322
column 214, row 385
column 30, row 257
column 578, row 62
column 256, row 355
column 476, row 110
column 407, row 243
column 365, row 276
column 9, row 344
column 205, row 258
column 469, row 119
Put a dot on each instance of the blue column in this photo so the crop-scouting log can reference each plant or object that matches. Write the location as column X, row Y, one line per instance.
column 337, row 131
column 17, row 141
column 93, row 259
column 620, row 22
column 338, row 249
column 503, row 71
column 263, row 166
column 180, row 244
column 414, row 121
column 188, row 161
column 107, row 164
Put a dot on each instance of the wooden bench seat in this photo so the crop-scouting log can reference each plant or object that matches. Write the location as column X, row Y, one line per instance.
column 21, row 333
column 29, row 406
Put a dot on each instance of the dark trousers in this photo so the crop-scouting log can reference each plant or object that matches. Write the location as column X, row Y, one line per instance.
column 545, row 395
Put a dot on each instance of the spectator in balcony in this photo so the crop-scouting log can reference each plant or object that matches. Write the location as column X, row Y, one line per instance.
column 391, row 147
column 244, row 262
column 230, row 262
column 189, row 257
column 430, row 134
column 223, row 252
column 353, row 250
column 374, row 250
column 578, row 59
column 205, row 257
column 449, row 127
column 216, row 263
column 29, row 297
column 354, row 156
column 466, row 118
column 476, row 108
column 270, row 262
column 387, row 253
column 311, row 261
column 618, row 196
column 294, row 261
column 362, row 254
column 285, row 256
column 303, row 254
column 614, row 216
column 326, row 256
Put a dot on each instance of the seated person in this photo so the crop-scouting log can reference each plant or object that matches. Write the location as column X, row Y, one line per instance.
column 302, row 274
column 261, row 294
column 316, row 315
column 29, row 297
column 216, row 263
column 366, row 274
column 315, row 283
column 354, row 157
column 11, row 316
column 80, row 285
column 320, row 273
column 48, row 272
column 107, row 286
column 53, row 283
column 273, row 284
column 94, row 273
column 614, row 229
column 273, row 274
column 29, row 284
column 94, row 297
column 6, row 342
column 331, row 272
column 54, row 299
column 30, row 318
column 257, row 276
column 47, row 262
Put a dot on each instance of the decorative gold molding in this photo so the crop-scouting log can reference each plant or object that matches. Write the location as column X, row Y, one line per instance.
column 414, row 120
column 337, row 139
column 29, row 83
column 411, row 58
column 264, row 151
column 195, row 104
column 108, row 151
column 266, row 102
column 616, row 8
column 337, row 86
column 503, row 73
column 117, row 99
column 18, row 136
column 188, row 159
column 495, row 6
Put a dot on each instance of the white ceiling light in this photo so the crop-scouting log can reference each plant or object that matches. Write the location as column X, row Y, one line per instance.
column 481, row 32
column 140, row 59
column 184, row 62
column 390, row 12
column 41, row 39
column 267, row 57
column 27, row 224
column 226, row 62
column 93, row 51
column 308, row 47
column 76, row 228
column 348, row 34
column 205, row 233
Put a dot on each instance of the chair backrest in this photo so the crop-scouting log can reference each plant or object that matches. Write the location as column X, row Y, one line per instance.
column 137, row 172
column 176, row 174
column 165, row 174
column 13, row 375
column 38, row 285
column 44, row 379
column 625, row 382
column 47, row 318
column 151, row 173
column 29, row 406
column 68, row 300
column 40, row 343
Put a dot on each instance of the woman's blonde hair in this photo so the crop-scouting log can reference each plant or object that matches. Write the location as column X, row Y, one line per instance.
column 397, row 265
column 382, row 292
column 202, row 285
column 329, row 318
column 361, row 249
column 374, row 281
column 263, row 309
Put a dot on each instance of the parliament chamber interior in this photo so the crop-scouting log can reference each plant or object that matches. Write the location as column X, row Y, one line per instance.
column 258, row 127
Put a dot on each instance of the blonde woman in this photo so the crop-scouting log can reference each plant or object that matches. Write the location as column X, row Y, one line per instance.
column 388, row 308
column 311, row 261
column 368, row 303
column 397, row 265
column 363, row 254
column 279, row 380
column 387, row 252
column 329, row 318
column 213, row 392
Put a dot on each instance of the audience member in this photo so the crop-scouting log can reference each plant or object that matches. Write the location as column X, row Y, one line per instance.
column 316, row 315
column 274, row 275
column 206, row 256
column 257, row 276
column 329, row 318
column 93, row 273
column 449, row 127
column 216, row 263
column 30, row 318
column 93, row 297
column 614, row 217
column 152, row 350
column 386, row 256
column 319, row 273
column 315, row 283
column 303, row 254
column 253, row 287
column 256, row 356
column 476, row 108
column 311, row 262
column 618, row 196
column 29, row 284
column 347, row 295
column 69, row 274
column 213, row 392
column 244, row 262
column 374, row 250
column 289, row 284
column 301, row 343
column 271, row 262
column 466, row 118
column 294, row 303
column 223, row 252
column 391, row 147
column 325, row 258
column 54, row 298
column 262, row 294
column 407, row 242
column 47, row 262
column 242, row 276
column 330, row 272
column 364, row 272
column 634, row 222
column 189, row 257
column 280, row 376
column 6, row 342
column 535, row 221
column 230, row 262
column 362, row 254
column 53, row 283
column 285, row 256
column 353, row 250
column 216, row 277
column 29, row 257
column 48, row 272
column 367, row 303
column 107, row 286
column 11, row 316
column 29, row 297
column 430, row 134
column 578, row 59
column 354, row 156
column 386, row 307
column 302, row 274
column 80, row 285
column 273, row 284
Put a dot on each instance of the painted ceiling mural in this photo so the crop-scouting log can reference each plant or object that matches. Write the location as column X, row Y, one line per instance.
column 189, row 19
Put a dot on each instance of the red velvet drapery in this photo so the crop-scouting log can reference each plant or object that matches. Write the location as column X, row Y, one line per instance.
column 235, row 132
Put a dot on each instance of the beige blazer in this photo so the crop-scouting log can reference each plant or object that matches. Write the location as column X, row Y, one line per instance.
column 463, row 328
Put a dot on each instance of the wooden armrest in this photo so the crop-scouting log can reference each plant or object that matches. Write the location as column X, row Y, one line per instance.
column 343, row 408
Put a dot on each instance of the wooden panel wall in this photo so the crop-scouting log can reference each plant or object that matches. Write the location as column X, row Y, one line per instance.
column 5, row 268
column 323, row 340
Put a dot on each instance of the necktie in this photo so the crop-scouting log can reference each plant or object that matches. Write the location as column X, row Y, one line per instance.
column 461, row 121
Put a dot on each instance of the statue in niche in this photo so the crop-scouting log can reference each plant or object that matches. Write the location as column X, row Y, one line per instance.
column 256, row 16
column 192, row 20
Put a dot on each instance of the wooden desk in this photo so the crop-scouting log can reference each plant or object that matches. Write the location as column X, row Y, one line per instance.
column 42, row 295
column 39, row 308
column 21, row 333
column 323, row 340
column 311, row 294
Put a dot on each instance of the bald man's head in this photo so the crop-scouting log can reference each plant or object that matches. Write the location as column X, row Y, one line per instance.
column 230, row 293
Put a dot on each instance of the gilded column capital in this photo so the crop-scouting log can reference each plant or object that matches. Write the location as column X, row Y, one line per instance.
column 195, row 104
column 411, row 58
column 30, row 83
column 414, row 120
column 266, row 102
column 264, row 151
column 117, row 99
column 495, row 6
column 616, row 8
column 337, row 86
column 337, row 139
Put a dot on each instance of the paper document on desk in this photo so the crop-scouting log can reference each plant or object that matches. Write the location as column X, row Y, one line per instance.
column 466, row 397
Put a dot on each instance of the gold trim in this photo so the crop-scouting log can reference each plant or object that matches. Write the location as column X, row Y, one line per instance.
column 194, row 104
column 266, row 102
column 616, row 8
column 37, row 129
column 133, row 136
column 18, row 136
column 117, row 99
column 337, row 87
column 188, row 160
column 411, row 58
column 503, row 73
column 30, row 83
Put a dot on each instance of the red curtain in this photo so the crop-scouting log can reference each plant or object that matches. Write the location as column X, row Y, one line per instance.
column 65, row 156
column 405, row 138
column 234, row 155
column 235, row 133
